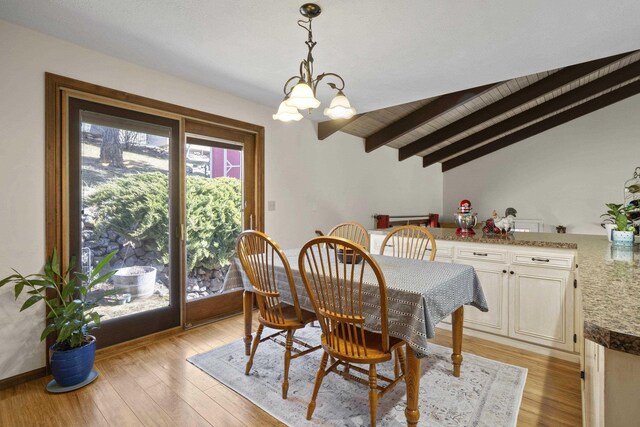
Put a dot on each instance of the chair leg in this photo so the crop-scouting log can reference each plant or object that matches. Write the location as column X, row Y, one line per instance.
column 256, row 341
column 396, row 365
column 401, row 361
column 316, row 387
column 373, row 394
column 287, row 362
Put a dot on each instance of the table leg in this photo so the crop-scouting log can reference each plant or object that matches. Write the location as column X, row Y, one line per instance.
column 456, row 357
column 247, row 307
column 412, row 378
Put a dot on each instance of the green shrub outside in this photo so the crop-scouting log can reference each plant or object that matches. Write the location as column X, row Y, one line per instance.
column 136, row 207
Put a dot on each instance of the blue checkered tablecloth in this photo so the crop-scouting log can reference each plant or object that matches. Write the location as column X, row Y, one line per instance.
column 420, row 294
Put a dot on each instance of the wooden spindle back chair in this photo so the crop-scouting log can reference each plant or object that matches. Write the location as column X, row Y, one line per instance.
column 410, row 241
column 336, row 290
column 352, row 231
column 259, row 254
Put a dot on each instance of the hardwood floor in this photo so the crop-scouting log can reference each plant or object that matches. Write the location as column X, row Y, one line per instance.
column 151, row 383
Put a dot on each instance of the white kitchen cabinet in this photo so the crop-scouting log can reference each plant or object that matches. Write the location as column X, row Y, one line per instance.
column 610, row 394
column 375, row 242
column 530, row 293
column 495, row 280
column 444, row 251
column 541, row 306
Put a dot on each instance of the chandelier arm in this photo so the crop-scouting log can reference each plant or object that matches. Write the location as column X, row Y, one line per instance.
column 306, row 24
column 287, row 92
column 332, row 85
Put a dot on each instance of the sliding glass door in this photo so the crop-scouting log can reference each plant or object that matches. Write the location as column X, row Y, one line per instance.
column 218, row 165
column 124, row 198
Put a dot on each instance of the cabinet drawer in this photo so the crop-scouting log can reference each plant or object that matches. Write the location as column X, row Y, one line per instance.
column 564, row 262
column 491, row 255
column 443, row 251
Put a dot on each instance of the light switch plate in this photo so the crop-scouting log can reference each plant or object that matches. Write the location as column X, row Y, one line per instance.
column 271, row 205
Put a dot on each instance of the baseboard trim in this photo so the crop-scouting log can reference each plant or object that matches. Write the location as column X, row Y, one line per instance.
column 23, row 378
column 116, row 349
column 535, row 348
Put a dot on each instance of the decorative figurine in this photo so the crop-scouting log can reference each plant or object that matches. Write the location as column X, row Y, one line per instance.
column 497, row 225
column 465, row 219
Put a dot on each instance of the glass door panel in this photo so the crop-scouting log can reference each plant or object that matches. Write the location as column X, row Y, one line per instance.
column 214, row 196
column 121, row 200
column 213, row 213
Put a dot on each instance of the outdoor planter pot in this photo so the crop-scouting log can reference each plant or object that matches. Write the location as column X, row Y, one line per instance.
column 71, row 367
column 139, row 281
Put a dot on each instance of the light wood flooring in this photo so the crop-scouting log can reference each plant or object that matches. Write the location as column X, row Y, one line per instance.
column 150, row 383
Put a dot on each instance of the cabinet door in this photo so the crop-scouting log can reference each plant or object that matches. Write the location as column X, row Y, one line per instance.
column 593, row 385
column 541, row 308
column 494, row 280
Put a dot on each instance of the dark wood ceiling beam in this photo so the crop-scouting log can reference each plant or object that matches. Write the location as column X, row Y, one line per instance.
column 602, row 101
column 417, row 118
column 562, row 101
column 541, row 87
column 329, row 127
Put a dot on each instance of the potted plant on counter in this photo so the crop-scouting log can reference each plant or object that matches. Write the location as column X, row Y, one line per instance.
column 623, row 233
column 71, row 316
column 609, row 218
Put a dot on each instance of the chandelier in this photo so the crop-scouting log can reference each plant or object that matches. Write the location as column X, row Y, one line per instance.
column 302, row 95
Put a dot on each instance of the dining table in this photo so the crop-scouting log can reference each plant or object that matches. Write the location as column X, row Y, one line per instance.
column 420, row 294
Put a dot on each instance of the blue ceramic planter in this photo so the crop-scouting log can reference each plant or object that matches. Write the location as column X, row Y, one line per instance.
column 73, row 366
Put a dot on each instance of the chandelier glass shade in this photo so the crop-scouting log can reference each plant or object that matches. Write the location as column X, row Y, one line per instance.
column 302, row 97
column 340, row 108
column 300, row 90
column 287, row 113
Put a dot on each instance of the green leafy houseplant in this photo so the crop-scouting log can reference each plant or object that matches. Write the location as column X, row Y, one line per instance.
column 612, row 211
column 619, row 215
column 71, row 315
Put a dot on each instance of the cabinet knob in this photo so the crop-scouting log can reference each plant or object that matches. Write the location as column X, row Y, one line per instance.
column 512, row 272
column 504, row 271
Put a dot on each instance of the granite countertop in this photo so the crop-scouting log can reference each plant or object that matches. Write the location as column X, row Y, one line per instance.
column 609, row 277
column 542, row 240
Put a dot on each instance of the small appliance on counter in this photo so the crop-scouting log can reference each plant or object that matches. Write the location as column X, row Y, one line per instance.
column 465, row 219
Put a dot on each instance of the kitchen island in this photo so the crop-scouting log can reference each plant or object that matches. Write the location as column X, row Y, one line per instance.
column 607, row 312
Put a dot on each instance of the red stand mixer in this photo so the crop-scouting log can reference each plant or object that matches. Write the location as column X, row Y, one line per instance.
column 465, row 219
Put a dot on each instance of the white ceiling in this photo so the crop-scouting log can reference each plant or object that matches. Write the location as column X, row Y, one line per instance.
column 389, row 52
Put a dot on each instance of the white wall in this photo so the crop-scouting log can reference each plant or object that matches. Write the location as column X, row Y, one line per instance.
column 314, row 184
column 563, row 176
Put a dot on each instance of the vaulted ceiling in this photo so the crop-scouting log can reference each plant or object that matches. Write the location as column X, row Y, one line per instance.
column 389, row 52
column 456, row 128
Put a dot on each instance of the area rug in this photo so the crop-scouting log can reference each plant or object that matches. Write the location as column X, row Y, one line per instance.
column 488, row 393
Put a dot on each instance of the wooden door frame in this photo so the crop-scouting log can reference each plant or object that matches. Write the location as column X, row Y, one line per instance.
column 56, row 150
